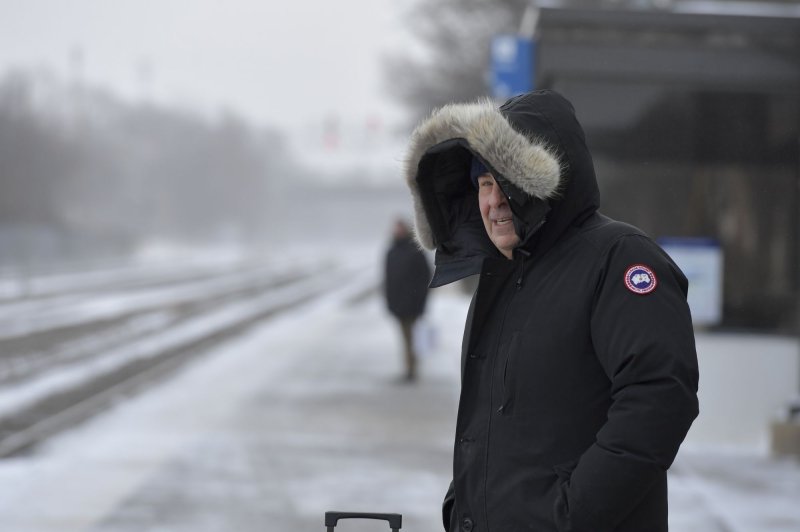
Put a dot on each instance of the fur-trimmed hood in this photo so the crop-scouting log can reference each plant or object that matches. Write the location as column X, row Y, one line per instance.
column 528, row 163
column 535, row 149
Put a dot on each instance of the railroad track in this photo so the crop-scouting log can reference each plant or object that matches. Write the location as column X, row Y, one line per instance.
column 66, row 356
column 45, row 334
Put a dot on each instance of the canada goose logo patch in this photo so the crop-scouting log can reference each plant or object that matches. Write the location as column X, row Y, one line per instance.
column 640, row 279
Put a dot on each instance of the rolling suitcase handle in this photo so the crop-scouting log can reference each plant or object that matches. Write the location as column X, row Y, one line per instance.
column 332, row 518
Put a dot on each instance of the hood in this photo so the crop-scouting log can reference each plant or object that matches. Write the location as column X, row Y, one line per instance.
column 534, row 147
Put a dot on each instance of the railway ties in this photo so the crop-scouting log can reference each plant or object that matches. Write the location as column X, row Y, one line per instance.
column 66, row 356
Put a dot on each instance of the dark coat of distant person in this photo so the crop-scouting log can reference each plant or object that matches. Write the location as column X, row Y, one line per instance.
column 579, row 370
column 406, row 278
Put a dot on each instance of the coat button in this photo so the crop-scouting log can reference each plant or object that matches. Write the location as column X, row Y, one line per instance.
column 466, row 524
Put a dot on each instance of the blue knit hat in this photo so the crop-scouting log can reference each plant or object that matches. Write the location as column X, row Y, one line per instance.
column 476, row 170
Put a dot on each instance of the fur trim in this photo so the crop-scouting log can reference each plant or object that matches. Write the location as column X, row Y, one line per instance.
column 527, row 163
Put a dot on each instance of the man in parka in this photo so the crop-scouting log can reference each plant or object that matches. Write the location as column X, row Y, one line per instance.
column 579, row 370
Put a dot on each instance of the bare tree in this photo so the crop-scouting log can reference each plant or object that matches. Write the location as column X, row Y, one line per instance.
column 455, row 36
column 96, row 175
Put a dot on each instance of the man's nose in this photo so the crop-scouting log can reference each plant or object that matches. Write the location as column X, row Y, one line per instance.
column 497, row 198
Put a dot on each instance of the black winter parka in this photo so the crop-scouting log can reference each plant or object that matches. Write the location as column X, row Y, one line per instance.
column 579, row 371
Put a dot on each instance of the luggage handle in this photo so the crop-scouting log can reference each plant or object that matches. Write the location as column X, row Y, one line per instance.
column 332, row 518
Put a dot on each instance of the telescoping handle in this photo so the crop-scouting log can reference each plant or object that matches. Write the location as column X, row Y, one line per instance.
column 332, row 518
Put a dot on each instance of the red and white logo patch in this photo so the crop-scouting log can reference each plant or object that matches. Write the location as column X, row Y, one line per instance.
column 640, row 279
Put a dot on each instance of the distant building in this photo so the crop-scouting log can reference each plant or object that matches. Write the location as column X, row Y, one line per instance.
column 692, row 112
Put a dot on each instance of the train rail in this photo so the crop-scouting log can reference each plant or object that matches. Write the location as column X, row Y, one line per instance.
column 67, row 355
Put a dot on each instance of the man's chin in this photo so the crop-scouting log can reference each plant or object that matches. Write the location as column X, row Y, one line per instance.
column 505, row 244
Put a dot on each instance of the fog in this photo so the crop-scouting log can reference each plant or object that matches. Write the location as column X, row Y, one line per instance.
column 88, row 176
column 190, row 124
column 154, row 153
column 282, row 64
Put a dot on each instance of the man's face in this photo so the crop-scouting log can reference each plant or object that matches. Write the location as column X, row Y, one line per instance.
column 496, row 214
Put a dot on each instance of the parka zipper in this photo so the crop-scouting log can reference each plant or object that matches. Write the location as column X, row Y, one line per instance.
column 505, row 399
column 523, row 254
column 520, row 275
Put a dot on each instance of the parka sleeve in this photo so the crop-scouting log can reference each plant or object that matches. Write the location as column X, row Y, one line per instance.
column 643, row 337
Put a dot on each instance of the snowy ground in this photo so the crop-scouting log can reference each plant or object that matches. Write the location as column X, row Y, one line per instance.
column 301, row 415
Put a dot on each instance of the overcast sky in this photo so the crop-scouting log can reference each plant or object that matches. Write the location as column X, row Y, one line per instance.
column 285, row 63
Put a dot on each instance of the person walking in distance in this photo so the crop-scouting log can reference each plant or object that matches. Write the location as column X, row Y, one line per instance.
column 579, row 371
column 406, row 278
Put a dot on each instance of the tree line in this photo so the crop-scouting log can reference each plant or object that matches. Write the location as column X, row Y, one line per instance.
column 85, row 174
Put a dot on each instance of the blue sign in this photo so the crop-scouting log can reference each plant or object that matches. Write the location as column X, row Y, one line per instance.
column 512, row 64
column 701, row 260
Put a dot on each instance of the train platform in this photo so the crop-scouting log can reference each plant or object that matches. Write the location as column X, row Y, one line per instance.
column 303, row 413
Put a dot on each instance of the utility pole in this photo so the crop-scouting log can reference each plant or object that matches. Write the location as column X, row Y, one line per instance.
column 529, row 23
column 794, row 403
